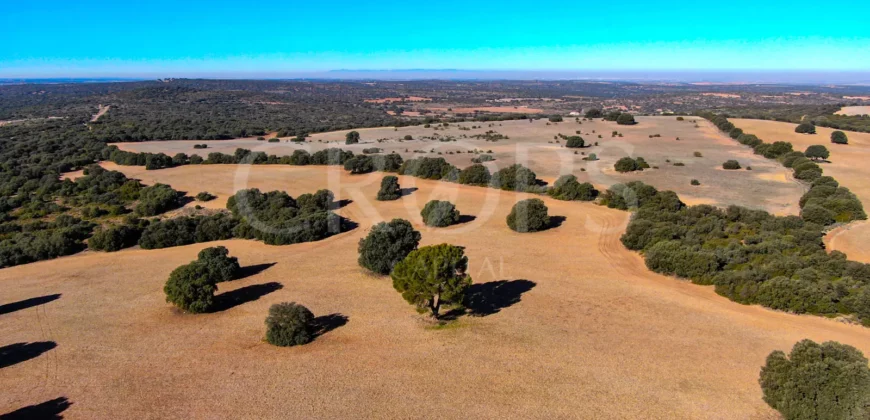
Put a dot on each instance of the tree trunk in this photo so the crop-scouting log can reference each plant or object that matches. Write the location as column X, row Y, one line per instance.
column 436, row 305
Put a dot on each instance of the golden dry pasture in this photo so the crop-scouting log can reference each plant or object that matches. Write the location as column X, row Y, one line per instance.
column 577, row 327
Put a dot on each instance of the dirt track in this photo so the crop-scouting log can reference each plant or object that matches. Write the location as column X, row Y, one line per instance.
column 596, row 336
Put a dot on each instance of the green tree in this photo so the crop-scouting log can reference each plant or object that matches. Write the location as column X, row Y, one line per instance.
column 387, row 244
column 529, row 215
column 476, row 174
column 575, row 142
column 805, row 128
column 191, row 287
column 289, row 324
column 625, row 119
column 817, row 152
column 439, row 214
column 220, row 265
column 594, row 113
column 390, row 189
column 568, row 188
column 433, row 276
column 351, row 137
column 514, row 178
column 839, row 137
column 827, row 381
column 626, row 164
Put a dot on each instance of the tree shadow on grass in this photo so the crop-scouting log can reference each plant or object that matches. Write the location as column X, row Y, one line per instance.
column 556, row 221
column 242, row 295
column 483, row 299
column 340, row 204
column 253, row 270
column 326, row 323
column 466, row 218
column 407, row 191
column 27, row 303
column 44, row 411
column 21, row 352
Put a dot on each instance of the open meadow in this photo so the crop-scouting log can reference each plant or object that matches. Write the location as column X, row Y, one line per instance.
column 536, row 145
column 568, row 323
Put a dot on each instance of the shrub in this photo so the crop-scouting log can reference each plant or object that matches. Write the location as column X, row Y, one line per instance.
column 390, row 189
column 351, row 138
column 289, row 324
column 575, row 142
column 568, row 188
column 731, row 165
column 817, row 152
column 555, row 118
column 220, row 265
column 476, row 174
column 514, row 178
column 698, row 154
column 372, row 150
column 433, row 276
column 482, row 158
column 205, row 196
column 817, row 381
column 594, row 113
column 157, row 199
column 625, row 119
column 191, row 288
column 387, row 244
column 439, row 214
column 839, row 137
column 805, row 128
column 114, row 238
column 626, row 164
column 360, row 164
column 528, row 215
column 695, row 182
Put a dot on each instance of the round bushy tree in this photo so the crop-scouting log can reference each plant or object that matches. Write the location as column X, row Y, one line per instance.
column 731, row 165
column 816, row 152
column 805, row 128
column 191, row 287
column 439, row 213
column 626, row 164
column 625, row 119
column 220, row 265
column 817, row 381
column 514, row 178
column 568, row 188
column 433, row 276
column 114, row 238
column 594, row 113
column 351, row 138
column 476, row 174
column 360, row 164
column 157, row 199
column 289, row 324
column 387, row 244
column 390, row 189
column 529, row 216
column 839, row 137
column 555, row 118
column 575, row 142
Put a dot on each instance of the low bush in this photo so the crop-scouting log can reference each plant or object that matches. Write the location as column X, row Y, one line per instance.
column 387, row 244
column 439, row 214
column 205, row 196
column 289, row 324
column 575, row 142
column 530, row 215
column 731, row 165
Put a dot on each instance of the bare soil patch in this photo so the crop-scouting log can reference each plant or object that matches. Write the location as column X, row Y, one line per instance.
column 854, row 110
column 596, row 334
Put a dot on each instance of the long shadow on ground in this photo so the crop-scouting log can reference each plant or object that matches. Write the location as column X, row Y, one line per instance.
column 44, row 411
column 242, row 295
column 326, row 323
column 27, row 303
column 485, row 299
column 252, row 270
column 340, row 204
column 407, row 191
column 556, row 221
column 20, row 352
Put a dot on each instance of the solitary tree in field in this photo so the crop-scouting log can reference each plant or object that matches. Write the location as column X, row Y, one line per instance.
column 530, row 215
column 839, row 137
column 816, row 152
column 433, row 276
column 817, row 381
column 805, row 128
column 351, row 138
column 289, row 324
column 625, row 119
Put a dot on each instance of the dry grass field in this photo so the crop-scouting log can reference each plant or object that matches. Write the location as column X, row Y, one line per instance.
column 855, row 110
column 847, row 163
column 767, row 186
column 579, row 328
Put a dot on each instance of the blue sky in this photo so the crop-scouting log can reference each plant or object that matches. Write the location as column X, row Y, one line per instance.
column 187, row 38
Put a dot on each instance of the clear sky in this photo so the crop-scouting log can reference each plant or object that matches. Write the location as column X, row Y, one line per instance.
column 63, row 38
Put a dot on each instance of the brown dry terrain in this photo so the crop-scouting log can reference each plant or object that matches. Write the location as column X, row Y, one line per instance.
column 855, row 110
column 408, row 99
column 848, row 164
column 520, row 109
column 596, row 336
column 768, row 186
